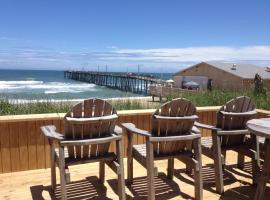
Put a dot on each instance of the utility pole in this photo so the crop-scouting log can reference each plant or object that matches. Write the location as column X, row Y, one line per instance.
column 98, row 68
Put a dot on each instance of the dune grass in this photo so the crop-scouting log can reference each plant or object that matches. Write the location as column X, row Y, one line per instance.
column 205, row 98
column 219, row 97
column 15, row 108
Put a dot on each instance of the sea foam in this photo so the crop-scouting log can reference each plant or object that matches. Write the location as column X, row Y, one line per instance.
column 46, row 87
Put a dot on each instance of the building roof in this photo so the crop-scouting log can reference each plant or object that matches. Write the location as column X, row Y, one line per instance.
column 245, row 71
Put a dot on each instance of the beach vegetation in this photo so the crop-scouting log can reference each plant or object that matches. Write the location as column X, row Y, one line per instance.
column 204, row 98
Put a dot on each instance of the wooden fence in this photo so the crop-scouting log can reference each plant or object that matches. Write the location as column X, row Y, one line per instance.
column 23, row 147
column 166, row 91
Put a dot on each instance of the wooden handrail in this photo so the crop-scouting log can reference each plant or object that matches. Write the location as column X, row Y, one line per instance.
column 52, row 116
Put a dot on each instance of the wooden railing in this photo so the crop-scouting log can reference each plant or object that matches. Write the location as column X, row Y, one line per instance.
column 166, row 91
column 23, row 147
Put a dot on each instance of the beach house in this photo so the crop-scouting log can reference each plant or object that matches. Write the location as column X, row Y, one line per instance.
column 222, row 75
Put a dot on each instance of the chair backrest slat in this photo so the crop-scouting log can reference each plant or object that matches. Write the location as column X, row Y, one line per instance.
column 162, row 128
column 77, row 128
column 238, row 105
column 87, row 109
column 87, row 133
column 69, row 135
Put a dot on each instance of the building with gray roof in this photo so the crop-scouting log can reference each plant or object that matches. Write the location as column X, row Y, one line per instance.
column 222, row 75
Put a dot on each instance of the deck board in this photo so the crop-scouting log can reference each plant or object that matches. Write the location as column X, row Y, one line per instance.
column 35, row 184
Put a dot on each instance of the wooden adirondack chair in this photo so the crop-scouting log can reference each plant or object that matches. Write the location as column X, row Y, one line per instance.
column 230, row 133
column 89, row 131
column 172, row 136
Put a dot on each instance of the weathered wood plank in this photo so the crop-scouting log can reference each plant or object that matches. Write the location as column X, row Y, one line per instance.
column 1, row 168
column 204, row 120
column 140, row 124
column 41, row 159
column 5, row 147
column 32, row 144
column 200, row 120
column 146, row 124
column 14, row 146
column 23, row 146
column 209, row 121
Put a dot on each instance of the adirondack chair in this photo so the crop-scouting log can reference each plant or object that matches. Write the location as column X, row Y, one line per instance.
column 89, row 130
column 172, row 136
column 230, row 133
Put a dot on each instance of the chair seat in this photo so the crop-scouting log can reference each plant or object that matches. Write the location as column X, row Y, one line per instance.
column 207, row 142
column 140, row 149
column 65, row 152
column 261, row 140
column 72, row 161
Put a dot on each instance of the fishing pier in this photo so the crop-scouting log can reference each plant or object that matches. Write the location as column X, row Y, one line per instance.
column 122, row 81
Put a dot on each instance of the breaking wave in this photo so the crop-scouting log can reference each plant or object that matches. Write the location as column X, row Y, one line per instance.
column 44, row 87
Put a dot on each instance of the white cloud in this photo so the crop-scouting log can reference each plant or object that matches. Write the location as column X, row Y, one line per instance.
column 119, row 59
column 196, row 54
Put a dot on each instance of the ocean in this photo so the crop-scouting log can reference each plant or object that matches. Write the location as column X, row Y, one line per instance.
column 28, row 85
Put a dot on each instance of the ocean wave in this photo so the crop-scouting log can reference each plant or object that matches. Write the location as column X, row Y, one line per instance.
column 46, row 87
column 4, row 85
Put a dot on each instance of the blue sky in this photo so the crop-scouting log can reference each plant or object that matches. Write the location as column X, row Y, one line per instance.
column 158, row 35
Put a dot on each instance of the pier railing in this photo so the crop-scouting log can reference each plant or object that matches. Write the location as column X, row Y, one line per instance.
column 165, row 91
column 23, row 147
column 121, row 81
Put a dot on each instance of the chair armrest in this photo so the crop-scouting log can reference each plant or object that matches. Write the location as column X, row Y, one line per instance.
column 49, row 132
column 118, row 130
column 239, row 114
column 191, row 136
column 73, row 120
column 191, row 118
column 205, row 126
column 132, row 128
column 195, row 130
column 233, row 132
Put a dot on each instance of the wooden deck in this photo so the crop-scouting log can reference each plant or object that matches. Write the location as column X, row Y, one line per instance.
column 35, row 184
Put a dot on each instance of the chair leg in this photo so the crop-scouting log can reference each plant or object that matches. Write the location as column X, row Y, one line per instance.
column 259, row 195
column 150, row 170
column 53, row 176
column 62, row 173
column 53, row 167
column 223, row 156
column 264, row 177
column 240, row 161
column 198, row 170
column 102, row 171
column 255, row 170
column 188, row 169
column 256, row 166
column 121, row 175
column 170, row 168
column 130, row 158
column 218, row 163
column 67, row 175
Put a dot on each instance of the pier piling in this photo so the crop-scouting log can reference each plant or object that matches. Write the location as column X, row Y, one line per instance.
column 121, row 81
